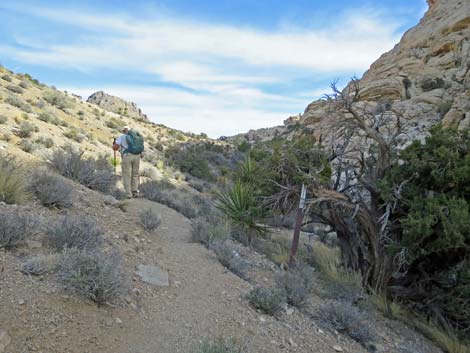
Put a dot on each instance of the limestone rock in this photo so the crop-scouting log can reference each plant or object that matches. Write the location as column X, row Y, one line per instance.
column 153, row 275
column 116, row 105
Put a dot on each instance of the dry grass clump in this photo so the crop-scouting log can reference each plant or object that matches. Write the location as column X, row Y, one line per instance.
column 297, row 284
column 13, row 186
column 268, row 300
column 149, row 219
column 51, row 190
column 15, row 228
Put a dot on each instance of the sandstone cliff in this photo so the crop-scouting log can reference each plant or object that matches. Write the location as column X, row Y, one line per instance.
column 426, row 76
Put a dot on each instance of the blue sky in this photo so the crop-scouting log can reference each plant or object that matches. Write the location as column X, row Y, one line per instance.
column 219, row 67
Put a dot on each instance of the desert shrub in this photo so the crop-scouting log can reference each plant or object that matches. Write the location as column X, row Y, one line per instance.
column 96, row 275
column 15, row 89
column 268, row 300
column 348, row 319
column 219, row 346
column 16, row 227
column 3, row 119
column 158, row 191
column 75, row 135
column 51, row 190
column 6, row 78
column 205, row 232
column 74, row 232
column 115, row 124
column 57, row 99
column 45, row 117
column 6, row 136
column 28, row 146
column 26, row 130
column 433, row 214
column 40, row 265
column 46, row 142
column 242, row 208
column 97, row 174
column 229, row 257
column 297, row 283
column 13, row 186
column 23, row 84
column 429, row 84
column 19, row 103
column 149, row 219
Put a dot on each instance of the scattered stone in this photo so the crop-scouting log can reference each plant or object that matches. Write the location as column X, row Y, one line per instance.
column 109, row 322
column 292, row 343
column 118, row 321
column 111, row 201
column 153, row 275
column 5, row 340
column 21, row 302
column 337, row 348
column 321, row 331
column 289, row 311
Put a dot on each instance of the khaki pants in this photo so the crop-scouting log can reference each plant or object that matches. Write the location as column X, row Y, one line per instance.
column 130, row 173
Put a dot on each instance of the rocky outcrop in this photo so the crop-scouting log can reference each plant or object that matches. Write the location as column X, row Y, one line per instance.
column 426, row 76
column 117, row 105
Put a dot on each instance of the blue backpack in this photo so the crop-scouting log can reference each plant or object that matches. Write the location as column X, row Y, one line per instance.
column 135, row 142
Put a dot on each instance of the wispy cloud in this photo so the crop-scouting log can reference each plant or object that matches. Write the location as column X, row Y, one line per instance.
column 223, row 72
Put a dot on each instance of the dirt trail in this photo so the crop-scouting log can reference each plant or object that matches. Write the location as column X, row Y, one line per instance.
column 203, row 299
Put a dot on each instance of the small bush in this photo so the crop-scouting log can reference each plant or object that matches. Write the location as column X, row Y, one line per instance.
column 444, row 108
column 26, row 130
column 93, row 274
column 28, row 146
column 40, row 265
column 15, row 89
column 13, row 186
column 23, row 84
column 268, row 300
column 19, row 103
column 229, row 258
column 94, row 174
column 155, row 191
column 206, row 233
column 75, row 135
column 57, row 99
column 219, row 346
column 51, row 190
column 15, row 228
column 3, row 119
column 74, row 232
column 346, row 318
column 149, row 219
column 46, row 142
column 7, row 78
column 297, row 283
column 45, row 117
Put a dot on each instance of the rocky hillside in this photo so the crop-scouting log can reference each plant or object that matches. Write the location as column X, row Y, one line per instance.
column 36, row 119
column 117, row 105
column 426, row 76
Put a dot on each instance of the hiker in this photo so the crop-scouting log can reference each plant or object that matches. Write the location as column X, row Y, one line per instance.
column 131, row 146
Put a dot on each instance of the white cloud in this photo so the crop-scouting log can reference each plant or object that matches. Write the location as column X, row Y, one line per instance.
column 224, row 73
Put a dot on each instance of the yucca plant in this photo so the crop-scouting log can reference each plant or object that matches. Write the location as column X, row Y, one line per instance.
column 241, row 206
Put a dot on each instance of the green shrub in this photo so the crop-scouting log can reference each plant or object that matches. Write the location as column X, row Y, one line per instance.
column 19, row 103
column 444, row 108
column 229, row 258
column 75, row 135
column 96, row 275
column 45, row 117
column 81, row 232
column 3, row 119
column 268, row 300
column 46, row 142
column 23, row 84
column 28, row 146
column 15, row 89
column 16, row 227
column 149, row 219
column 96, row 174
column 297, row 283
column 13, row 186
column 205, row 232
column 26, row 130
column 51, row 190
column 57, row 99
column 7, row 78
column 348, row 319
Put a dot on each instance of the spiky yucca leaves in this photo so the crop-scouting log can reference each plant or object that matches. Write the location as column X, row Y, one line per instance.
column 241, row 206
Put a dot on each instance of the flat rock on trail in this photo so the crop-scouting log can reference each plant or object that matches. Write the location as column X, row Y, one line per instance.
column 203, row 299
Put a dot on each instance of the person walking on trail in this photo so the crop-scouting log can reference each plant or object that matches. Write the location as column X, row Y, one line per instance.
column 131, row 146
